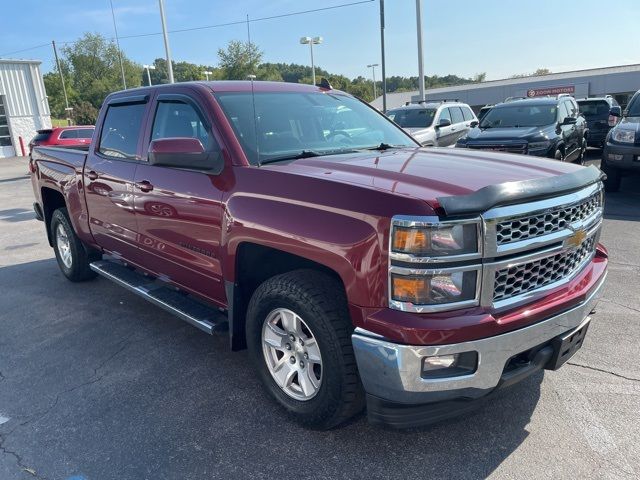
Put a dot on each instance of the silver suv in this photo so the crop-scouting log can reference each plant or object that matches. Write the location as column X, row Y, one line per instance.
column 435, row 124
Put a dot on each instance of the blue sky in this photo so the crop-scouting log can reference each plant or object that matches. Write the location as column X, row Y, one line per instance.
column 462, row 37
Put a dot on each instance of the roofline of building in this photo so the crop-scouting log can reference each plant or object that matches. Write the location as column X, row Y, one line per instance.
column 11, row 60
column 518, row 80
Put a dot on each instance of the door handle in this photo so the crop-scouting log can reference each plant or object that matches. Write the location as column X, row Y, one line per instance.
column 144, row 186
column 92, row 175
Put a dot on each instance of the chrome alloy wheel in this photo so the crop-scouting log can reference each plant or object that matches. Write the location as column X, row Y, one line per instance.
column 64, row 246
column 292, row 354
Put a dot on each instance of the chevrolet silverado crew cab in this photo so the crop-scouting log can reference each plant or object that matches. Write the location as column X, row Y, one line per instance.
column 543, row 127
column 359, row 269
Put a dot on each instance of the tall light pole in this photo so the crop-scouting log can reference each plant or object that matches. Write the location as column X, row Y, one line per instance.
column 166, row 41
column 147, row 68
column 373, row 74
column 207, row 73
column 420, row 59
column 311, row 41
column 115, row 28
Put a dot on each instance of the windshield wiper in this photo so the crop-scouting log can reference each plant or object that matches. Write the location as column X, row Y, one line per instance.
column 383, row 146
column 305, row 154
column 295, row 156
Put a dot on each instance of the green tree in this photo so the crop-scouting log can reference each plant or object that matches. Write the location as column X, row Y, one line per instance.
column 93, row 63
column 84, row 113
column 239, row 59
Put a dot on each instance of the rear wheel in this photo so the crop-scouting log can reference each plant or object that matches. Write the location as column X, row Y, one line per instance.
column 299, row 340
column 72, row 255
column 559, row 155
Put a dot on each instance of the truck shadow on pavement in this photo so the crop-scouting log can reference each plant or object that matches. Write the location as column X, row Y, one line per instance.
column 99, row 383
column 623, row 205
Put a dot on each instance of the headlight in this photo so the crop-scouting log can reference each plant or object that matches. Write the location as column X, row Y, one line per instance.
column 539, row 145
column 436, row 240
column 435, row 288
column 622, row 135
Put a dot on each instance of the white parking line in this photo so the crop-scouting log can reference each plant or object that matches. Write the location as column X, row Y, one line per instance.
column 4, row 419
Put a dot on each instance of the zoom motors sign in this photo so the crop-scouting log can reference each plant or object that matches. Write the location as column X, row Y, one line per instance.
column 543, row 92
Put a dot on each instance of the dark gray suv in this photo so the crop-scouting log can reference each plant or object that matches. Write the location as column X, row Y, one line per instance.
column 597, row 112
column 621, row 152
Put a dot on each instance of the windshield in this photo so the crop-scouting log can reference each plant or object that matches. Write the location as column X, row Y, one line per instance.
column 289, row 123
column 594, row 108
column 412, row 117
column 634, row 107
column 519, row 116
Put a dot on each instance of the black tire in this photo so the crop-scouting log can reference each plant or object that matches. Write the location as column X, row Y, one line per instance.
column 559, row 155
column 81, row 256
column 613, row 180
column 320, row 301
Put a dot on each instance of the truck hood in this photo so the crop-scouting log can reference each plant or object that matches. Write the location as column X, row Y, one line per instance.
column 426, row 173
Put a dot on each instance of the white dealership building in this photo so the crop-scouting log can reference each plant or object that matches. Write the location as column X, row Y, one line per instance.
column 24, row 108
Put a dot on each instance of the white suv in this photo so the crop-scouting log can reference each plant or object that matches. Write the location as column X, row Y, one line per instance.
column 435, row 124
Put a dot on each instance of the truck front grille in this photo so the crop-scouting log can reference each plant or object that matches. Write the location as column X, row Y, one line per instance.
column 544, row 223
column 526, row 277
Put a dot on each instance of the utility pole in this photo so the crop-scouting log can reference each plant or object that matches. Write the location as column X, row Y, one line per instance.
column 384, row 76
column 420, row 59
column 166, row 41
column 373, row 74
column 115, row 28
column 64, row 89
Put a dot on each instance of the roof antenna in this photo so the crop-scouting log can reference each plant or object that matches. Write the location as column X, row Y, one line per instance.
column 255, row 116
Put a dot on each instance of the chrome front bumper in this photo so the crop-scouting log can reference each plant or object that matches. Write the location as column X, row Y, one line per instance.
column 392, row 371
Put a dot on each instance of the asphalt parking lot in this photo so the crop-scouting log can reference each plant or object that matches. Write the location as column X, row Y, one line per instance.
column 96, row 383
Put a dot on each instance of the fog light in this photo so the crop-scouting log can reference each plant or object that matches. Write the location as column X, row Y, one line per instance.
column 442, row 361
column 614, row 156
column 451, row 365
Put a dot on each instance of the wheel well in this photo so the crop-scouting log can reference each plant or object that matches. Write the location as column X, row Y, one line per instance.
column 254, row 265
column 51, row 201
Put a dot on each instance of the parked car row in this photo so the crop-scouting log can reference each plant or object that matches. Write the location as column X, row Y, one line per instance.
column 554, row 127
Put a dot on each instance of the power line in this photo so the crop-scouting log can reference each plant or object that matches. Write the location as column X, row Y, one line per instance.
column 206, row 27
column 25, row 49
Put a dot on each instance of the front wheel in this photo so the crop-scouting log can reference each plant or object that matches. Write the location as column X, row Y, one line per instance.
column 559, row 155
column 72, row 256
column 299, row 340
column 583, row 151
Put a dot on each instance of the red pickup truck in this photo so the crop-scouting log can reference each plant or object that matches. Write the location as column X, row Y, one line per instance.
column 359, row 269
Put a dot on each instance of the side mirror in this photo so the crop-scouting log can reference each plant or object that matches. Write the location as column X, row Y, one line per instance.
column 615, row 111
column 183, row 152
column 569, row 121
column 444, row 122
column 474, row 124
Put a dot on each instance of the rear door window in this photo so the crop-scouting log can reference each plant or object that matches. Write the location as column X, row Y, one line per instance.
column 121, row 130
column 468, row 114
column 76, row 133
column 456, row 115
column 594, row 108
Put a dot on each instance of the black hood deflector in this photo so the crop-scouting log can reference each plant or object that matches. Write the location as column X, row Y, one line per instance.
column 519, row 192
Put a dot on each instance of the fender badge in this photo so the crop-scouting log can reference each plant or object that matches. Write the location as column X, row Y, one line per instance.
column 575, row 240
